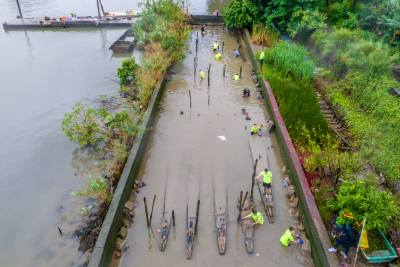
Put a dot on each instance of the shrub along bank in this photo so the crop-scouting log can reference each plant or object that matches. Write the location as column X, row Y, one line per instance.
column 162, row 32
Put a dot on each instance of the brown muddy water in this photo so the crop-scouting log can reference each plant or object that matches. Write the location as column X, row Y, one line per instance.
column 186, row 161
column 43, row 74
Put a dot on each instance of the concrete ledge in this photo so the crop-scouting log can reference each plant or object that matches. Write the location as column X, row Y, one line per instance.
column 104, row 248
column 313, row 223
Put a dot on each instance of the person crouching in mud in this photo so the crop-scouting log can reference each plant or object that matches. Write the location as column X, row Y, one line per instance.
column 246, row 91
column 255, row 129
column 257, row 217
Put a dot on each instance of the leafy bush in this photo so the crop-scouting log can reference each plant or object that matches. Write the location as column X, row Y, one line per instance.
column 128, row 71
column 290, row 60
column 97, row 188
column 321, row 194
column 305, row 21
column 240, row 13
column 361, row 199
column 264, row 36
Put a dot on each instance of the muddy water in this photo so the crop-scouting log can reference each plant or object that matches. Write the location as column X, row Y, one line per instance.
column 43, row 73
column 186, row 161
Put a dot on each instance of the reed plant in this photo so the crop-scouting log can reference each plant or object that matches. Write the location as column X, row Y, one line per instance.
column 264, row 36
column 290, row 59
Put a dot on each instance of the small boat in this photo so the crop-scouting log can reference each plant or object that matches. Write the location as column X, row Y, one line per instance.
column 165, row 229
column 247, row 226
column 268, row 202
column 191, row 230
column 221, row 220
column 124, row 43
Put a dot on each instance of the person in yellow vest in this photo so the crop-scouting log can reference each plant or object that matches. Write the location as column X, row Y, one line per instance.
column 236, row 77
column 202, row 74
column 261, row 58
column 255, row 129
column 257, row 217
column 288, row 236
column 267, row 181
column 218, row 56
column 215, row 46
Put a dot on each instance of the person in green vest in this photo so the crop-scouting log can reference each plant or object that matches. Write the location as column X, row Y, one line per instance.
column 257, row 217
column 288, row 236
column 236, row 77
column 267, row 181
column 215, row 46
column 218, row 56
column 255, row 129
column 261, row 58
column 202, row 74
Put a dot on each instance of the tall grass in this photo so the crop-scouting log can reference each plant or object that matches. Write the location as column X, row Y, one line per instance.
column 298, row 104
column 290, row 59
column 263, row 36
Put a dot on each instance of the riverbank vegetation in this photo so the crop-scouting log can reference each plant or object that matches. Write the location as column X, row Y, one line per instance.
column 350, row 48
column 116, row 122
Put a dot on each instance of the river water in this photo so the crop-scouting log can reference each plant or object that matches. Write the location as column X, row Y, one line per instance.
column 186, row 160
column 43, row 74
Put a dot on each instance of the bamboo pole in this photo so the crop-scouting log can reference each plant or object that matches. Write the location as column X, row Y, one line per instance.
column 19, row 8
column 253, row 178
column 151, row 214
column 240, row 75
column 147, row 214
column 240, row 205
column 173, row 218
column 209, row 68
column 223, row 43
column 190, row 97
column 358, row 246
column 197, row 213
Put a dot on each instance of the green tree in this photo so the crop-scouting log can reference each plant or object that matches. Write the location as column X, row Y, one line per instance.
column 240, row 13
column 361, row 199
column 304, row 21
column 128, row 71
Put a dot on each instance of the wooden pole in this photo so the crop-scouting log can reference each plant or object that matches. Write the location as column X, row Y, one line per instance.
column 173, row 218
column 240, row 75
column 151, row 214
column 224, row 69
column 208, row 99
column 190, row 97
column 197, row 213
column 147, row 214
column 19, row 8
column 223, row 43
column 194, row 63
column 358, row 246
column 253, row 178
column 240, row 205
column 244, row 200
column 209, row 68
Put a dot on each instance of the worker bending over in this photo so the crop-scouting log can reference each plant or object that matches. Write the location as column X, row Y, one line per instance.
column 202, row 74
column 246, row 91
column 267, row 181
column 235, row 53
column 257, row 217
column 218, row 56
column 255, row 129
column 236, row 77
column 288, row 236
column 215, row 46
column 203, row 28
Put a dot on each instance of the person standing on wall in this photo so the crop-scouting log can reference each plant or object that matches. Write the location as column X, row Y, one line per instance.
column 288, row 236
column 261, row 58
column 267, row 180
column 215, row 46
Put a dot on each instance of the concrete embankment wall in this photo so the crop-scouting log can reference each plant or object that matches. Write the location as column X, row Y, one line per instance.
column 104, row 248
column 313, row 223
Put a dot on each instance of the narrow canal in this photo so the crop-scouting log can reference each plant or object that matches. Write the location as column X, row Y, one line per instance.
column 43, row 74
column 186, row 160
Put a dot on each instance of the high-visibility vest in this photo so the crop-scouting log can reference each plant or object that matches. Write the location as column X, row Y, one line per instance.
column 257, row 218
column 262, row 55
column 287, row 236
column 202, row 74
column 218, row 56
column 215, row 45
column 236, row 77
